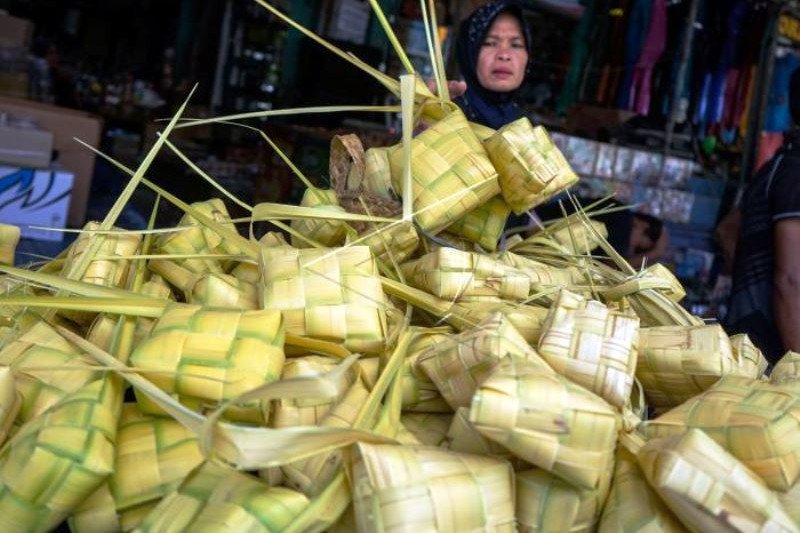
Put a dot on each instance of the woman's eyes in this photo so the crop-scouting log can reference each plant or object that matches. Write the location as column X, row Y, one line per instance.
column 513, row 44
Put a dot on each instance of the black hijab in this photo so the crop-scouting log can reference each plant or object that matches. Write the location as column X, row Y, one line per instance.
column 490, row 108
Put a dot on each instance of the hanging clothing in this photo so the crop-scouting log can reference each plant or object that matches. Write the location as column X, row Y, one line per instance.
column 733, row 14
column 778, row 118
column 754, row 32
column 595, row 43
column 707, row 51
column 677, row 15
column 480, row 105
column 635, row 37
column 744, row 117
column 578, row 60
column 614, row 64
column 655, row 43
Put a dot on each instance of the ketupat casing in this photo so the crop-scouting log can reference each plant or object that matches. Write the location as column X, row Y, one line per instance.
column 403, row 488
column 548, row 421
column 216, row 498
column 530, row 166
column 678, row 362
column 209, row 355
column 458, row 365
column 709, row 489
column 592, row 345
column 328, row 294
column 752, row 419
column 451, row 172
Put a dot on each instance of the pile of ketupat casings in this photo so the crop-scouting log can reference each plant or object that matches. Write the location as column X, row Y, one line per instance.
column 386, row 368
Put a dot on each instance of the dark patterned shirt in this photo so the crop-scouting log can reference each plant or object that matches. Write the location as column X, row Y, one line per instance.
column 772, row 196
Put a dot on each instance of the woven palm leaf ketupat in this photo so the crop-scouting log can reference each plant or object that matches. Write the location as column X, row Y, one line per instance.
column 481, row 132
column 59, row 459
column 42, row 346
column 420, row 394
column 592, row 345
column 753, row 420
column 677, row 362
column 483, row 225
column 273, row 239
column 158, row 288
column 310, row 476
column 10, row 402
column 657, row 277
column 404, row 488
column 215, row 210
column 463, row 437
column 707, row 488
column 547, row 504
column 751, row 362
column 653, row 294
column 328, row 294
column 531, row 168
column 210, row 355
column 12, row 318
column 526, row 319
column 101, row 331
column 305, row 411
column 9, row 239
column 451, row 173
column 153, row 455
column 632, row 505
column 98, row 514
column 177, row 275
column 790, row 500
column 216, row 498
column 131, row 519
column 370, row 370
column 548, row 421
column 786, row 369
column 106, row 272
column 396, row 241
column 378, row 172
column 325, row 232
column 111, row 267
column 224, row 290
column 424, row 429
column 248, row 271
column 543, row 277
column 458, row 365
column 191, row 238
column 455, row 275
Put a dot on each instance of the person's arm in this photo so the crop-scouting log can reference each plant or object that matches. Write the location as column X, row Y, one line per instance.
column 786, row 282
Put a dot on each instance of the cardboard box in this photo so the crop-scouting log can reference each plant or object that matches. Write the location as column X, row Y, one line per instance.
column 15, row 31
column 25, row 147
column 65, row 124
column 30, row 197
column 14, row 84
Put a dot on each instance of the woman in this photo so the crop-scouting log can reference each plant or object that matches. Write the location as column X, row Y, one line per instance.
column 493, row 50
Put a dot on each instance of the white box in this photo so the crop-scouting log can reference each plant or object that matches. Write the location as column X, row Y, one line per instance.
column 30, row 197
column 349, row 21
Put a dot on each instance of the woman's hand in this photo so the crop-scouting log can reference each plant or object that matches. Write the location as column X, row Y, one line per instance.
column 454, row 87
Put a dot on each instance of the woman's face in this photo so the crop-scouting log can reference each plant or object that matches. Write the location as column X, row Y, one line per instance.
column 504, row 56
